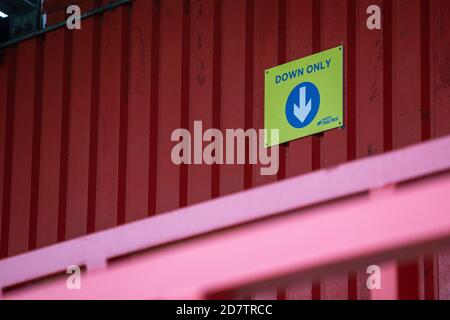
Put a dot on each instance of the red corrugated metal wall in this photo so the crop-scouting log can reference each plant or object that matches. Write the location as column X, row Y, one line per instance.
column 86, row 116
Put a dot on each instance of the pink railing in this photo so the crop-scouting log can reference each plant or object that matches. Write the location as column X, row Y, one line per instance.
column 367, row 211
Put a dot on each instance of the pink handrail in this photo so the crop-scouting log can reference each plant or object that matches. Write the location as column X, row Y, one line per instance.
column 307, row 243
column 349, row 179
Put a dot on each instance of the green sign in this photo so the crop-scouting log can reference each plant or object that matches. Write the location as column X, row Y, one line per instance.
column 305, row 96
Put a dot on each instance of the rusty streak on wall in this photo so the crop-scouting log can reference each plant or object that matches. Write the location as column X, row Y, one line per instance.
column 86, row 116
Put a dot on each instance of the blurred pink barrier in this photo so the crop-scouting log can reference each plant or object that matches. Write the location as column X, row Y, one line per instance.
column 307, row 243
column 328, row 237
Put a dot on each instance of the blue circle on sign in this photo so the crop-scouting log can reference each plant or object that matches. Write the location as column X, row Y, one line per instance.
column 302, row 105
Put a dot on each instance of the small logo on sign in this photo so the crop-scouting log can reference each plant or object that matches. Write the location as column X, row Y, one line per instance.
column 327, row 120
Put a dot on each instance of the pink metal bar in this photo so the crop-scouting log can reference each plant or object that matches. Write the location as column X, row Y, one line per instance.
column 93, row 251
column 309, row 242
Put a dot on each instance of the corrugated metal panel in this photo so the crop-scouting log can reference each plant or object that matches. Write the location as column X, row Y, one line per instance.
column 86, row 116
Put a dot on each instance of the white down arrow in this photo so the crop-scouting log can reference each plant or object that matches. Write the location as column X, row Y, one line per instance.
column 302, row 110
